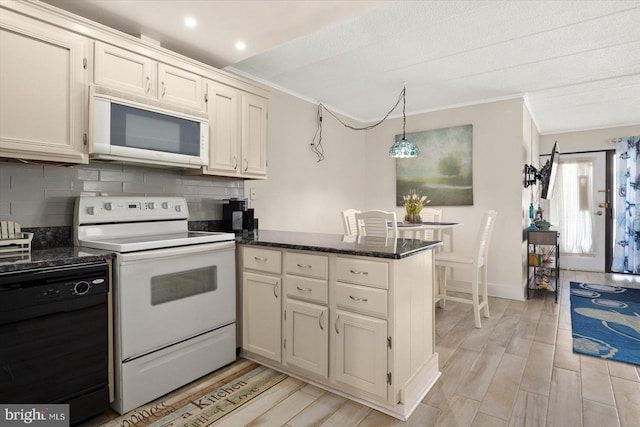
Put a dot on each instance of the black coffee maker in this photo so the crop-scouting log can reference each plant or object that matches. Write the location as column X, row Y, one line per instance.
column 236, row 216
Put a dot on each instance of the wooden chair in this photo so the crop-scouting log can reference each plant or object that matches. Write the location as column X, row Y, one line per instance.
column 478, row 264
column 349, row 222
column 377, row 223
column 431, row 215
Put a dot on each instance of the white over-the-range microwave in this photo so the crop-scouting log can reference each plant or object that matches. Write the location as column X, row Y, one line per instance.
column 134, row 129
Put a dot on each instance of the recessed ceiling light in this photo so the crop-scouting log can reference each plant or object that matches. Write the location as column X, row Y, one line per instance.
column 190, row 22
column 241, row 45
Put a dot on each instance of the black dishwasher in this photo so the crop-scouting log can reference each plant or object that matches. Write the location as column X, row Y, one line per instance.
column 54, row 337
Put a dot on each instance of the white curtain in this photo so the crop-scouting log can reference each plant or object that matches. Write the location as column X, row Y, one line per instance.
column 571, row 205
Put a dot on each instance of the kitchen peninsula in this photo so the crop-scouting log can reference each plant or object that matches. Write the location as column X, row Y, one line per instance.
column 351, row 314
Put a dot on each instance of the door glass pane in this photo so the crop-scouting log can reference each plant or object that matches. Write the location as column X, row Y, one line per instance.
column 571, row 206
column 174, row 286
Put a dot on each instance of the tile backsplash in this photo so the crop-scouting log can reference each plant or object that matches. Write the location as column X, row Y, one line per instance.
column 43, row 195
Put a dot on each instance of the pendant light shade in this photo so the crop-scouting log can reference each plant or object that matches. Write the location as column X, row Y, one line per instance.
column 404, row 148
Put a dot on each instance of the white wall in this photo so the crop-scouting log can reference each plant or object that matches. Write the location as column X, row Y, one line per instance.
column 599, row 139
column 497, row 183
column 301, row 194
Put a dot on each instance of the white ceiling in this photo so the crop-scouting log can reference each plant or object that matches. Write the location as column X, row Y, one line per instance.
column 577, row 63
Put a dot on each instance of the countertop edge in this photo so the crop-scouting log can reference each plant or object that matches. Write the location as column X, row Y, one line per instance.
column 365, row 252
column 54, row 257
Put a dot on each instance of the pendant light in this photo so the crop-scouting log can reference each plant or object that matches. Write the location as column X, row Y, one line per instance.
column 404, row 148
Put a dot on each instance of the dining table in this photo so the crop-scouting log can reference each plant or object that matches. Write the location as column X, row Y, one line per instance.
column 417, row 231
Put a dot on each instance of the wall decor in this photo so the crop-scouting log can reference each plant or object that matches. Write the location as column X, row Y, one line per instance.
column 444, row 170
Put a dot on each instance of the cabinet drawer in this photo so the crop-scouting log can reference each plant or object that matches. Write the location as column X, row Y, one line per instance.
column 307, row 265
column 266, row 260
column 361, row 299
column 315, row 290
column 543, row 237
column 362, row 272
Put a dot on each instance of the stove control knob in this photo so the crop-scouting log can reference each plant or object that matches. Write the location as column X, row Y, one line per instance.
column 108, row 206
column 81, row 288
column 91, row 210
column 151, row 205
column 166, row 205
column 178, row 208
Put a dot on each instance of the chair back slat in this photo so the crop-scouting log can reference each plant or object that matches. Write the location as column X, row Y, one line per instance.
column 484, row 237
column 349, row 222
column 378, row 223
column 431, row 215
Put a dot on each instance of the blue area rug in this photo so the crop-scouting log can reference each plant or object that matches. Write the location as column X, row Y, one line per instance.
column 605, row 321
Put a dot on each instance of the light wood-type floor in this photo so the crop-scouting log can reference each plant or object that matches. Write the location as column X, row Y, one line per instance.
column 518, row 370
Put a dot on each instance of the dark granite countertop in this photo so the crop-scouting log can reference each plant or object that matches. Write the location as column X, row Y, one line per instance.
column 338, row 243
column 53, row 257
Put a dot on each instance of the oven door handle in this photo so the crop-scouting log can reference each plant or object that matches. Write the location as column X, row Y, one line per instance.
column 177, row 251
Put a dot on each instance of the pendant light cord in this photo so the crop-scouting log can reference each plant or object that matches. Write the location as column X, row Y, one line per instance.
column 316, row 143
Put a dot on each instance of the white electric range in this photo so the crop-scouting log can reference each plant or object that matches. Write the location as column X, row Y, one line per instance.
column 173, row 292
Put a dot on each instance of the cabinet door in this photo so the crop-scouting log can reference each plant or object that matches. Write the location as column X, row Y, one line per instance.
column 262, row 315
column 180, row 87
column 42, row 91
column 361, row 352
column 124, row 70
column 254, row 136
column 307, row 337
column 224, row 127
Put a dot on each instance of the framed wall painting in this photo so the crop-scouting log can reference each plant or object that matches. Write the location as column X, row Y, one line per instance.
column 443, row 171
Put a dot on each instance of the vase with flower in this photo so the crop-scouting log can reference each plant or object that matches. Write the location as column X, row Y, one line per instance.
column 413, row 204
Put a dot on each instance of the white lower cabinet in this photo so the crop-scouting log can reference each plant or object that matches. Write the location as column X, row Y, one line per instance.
column 307, row 337
column 262, row 315
column 358, row 326
column 361, row 352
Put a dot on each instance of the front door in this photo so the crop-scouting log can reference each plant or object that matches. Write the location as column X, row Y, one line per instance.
column 578, row 209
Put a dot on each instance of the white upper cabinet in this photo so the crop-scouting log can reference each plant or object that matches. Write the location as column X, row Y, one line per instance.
column 254, row 135
column 49, row 58
column 238, row 132
column 124, row 70
column 224, row 129
column 43, row 89
column 180, row 87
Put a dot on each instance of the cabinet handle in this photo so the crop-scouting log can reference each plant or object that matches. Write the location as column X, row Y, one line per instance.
column 148, row 85
column 275, row 288
column 303, row 289
column 235, row 163
column 358, row 299
column 246, row 168
column 336, row 325
column 206, row 97
column 164, row 89
column 260, row 259
column 320, row 321
column 364, row 273
column 304, row 266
